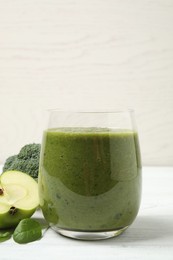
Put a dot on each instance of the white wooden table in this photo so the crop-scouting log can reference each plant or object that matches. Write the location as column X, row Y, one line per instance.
column 149, row 237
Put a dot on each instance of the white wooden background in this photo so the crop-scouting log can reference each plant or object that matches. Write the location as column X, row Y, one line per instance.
column 87, row 53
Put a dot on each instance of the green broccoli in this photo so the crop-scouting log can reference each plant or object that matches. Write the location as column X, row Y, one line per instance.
column 26, row 161
column 9, row 162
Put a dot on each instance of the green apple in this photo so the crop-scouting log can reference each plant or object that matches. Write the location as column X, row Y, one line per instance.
column 18, row 198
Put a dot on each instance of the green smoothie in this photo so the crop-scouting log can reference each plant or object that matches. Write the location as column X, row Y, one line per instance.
column 90, row 178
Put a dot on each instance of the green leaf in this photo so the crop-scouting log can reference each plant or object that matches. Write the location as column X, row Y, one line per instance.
column 5, row 235
column 28, row 230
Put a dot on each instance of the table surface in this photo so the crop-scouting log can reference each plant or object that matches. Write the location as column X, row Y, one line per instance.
column 149, row 237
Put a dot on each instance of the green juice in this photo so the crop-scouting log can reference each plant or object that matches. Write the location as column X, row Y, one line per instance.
column 90, row 178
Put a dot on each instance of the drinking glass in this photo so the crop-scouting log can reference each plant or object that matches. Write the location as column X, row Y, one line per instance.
column 90, row 173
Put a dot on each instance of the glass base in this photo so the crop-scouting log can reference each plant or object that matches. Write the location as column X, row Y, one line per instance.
column 89, row 235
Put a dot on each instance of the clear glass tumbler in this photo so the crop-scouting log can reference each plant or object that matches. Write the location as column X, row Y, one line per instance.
column 90, row 173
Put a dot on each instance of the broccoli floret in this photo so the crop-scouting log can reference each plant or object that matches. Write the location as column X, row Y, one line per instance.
column 9, row 162
column 26, row 161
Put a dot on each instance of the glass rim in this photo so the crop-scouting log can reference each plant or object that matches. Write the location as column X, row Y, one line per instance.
column 94, row 111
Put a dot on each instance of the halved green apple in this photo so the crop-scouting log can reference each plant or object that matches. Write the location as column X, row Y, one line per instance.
column 18, row 198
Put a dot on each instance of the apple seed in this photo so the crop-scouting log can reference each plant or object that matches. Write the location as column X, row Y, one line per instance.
column 1, row 191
